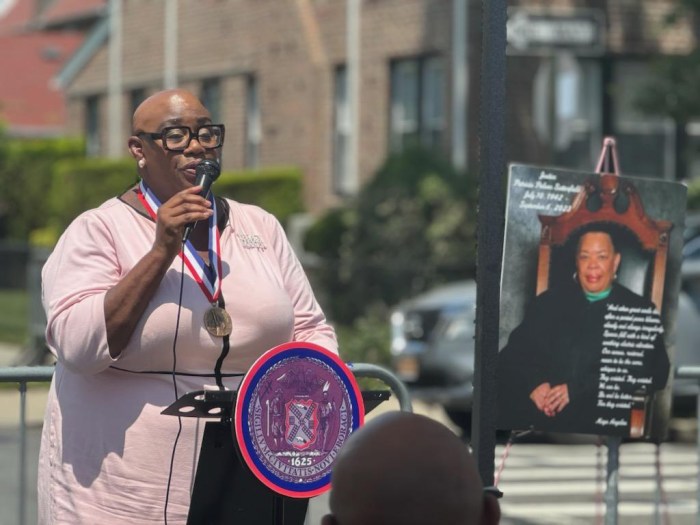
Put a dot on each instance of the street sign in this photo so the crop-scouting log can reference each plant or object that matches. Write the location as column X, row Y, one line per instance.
column 534, row 32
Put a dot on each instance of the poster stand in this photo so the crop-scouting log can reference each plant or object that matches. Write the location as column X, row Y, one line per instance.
column 639, row 417
column 618, row 372
column 608, row 164
column 225, row 490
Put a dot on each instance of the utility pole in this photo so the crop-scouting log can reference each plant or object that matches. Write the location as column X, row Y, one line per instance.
column 114, row 90
column 490, row 233
column 460, row 82
column 353, row 79
column 170, row 41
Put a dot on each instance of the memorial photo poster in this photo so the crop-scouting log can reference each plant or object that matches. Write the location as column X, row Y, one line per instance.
column 589, row 293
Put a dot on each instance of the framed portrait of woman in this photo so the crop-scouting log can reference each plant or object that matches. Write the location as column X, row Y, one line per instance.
column 589, row 290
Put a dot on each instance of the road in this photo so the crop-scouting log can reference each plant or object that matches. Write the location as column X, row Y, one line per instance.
column 554, row 484
column 548, row 484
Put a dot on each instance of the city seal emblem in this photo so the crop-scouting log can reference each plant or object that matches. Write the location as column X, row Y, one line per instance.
column 295, row 408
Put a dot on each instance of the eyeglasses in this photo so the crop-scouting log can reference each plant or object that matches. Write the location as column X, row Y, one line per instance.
column 178, row 138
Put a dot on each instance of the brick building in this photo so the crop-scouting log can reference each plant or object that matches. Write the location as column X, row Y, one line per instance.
column 596, row 89
column 276, row 73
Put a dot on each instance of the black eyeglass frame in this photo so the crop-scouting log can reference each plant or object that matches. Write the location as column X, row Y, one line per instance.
column 192, row 135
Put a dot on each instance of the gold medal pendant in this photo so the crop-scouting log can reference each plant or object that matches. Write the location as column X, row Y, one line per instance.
column 217, row 321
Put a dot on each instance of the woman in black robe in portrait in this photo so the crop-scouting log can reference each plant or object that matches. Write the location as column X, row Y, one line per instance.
column 553, row 373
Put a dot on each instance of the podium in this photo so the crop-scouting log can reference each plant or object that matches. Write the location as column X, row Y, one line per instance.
column 225, row 490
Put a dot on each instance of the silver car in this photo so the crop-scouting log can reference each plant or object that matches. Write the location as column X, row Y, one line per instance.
column 432, row 347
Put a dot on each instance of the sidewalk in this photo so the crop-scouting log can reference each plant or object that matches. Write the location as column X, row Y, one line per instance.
column 10, row 398
column 8, row 353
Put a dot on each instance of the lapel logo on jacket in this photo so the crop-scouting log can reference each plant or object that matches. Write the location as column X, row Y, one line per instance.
column 251, row 241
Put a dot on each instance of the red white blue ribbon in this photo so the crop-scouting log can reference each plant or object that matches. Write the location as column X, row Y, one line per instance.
column 208, row 277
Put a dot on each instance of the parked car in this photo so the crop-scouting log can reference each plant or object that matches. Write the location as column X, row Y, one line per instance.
column 432, row 348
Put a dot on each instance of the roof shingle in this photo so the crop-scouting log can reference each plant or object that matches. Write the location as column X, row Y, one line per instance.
column 28, row 105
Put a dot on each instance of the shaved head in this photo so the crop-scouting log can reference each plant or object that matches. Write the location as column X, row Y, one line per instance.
column 167, row 172
column 164, row 106
column 404, row 468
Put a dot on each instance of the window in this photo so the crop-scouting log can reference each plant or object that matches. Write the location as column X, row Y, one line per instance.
column 253, row 126
column 433, row 127
column 136, row 96
column 211, row 98
column 92, row 126
column 693, row 150
column 404, row 104
column 341, row 132
column 645, row 143
column 417, row 103
column 571, row 115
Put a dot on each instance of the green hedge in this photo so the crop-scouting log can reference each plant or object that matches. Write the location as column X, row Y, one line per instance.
column 694, row 195
column 26, row 167
column 80, row 184
column 276, row 189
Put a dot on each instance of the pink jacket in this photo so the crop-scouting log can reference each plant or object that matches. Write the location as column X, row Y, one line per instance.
column 106, row 448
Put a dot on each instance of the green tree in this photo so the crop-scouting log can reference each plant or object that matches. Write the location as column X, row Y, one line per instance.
column 673, row 89
column 411, row 227
column 26, row 167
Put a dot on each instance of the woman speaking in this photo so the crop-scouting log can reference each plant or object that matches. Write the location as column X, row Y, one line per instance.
column 137, row 316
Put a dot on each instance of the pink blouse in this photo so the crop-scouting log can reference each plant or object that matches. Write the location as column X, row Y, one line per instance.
column 105, row 449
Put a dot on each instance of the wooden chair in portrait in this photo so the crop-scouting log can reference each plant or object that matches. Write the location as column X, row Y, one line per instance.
column 641, row 240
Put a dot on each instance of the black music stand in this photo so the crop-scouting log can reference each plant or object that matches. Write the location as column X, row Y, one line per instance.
column 225, row 490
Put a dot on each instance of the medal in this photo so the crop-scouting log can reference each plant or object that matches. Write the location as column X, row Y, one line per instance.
column 217, row 321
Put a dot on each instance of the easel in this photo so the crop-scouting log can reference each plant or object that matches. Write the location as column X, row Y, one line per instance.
column 639, row 417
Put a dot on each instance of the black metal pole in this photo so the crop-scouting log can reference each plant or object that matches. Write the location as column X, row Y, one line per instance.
column 489, row 232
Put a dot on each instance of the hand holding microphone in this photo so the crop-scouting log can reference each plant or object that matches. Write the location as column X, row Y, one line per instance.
column 207, row 172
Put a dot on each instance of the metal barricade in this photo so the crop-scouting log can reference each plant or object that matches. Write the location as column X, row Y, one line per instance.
column 693, row 372
column 23, row 375
column 30, row 374
column 378, row 372
column 611, row 496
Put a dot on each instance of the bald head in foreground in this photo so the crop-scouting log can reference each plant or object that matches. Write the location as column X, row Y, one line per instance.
column 404, row 468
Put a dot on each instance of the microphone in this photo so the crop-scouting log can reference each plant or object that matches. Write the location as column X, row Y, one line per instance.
column 207, row 172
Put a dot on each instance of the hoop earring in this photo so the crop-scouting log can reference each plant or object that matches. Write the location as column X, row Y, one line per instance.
column 575, row 277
